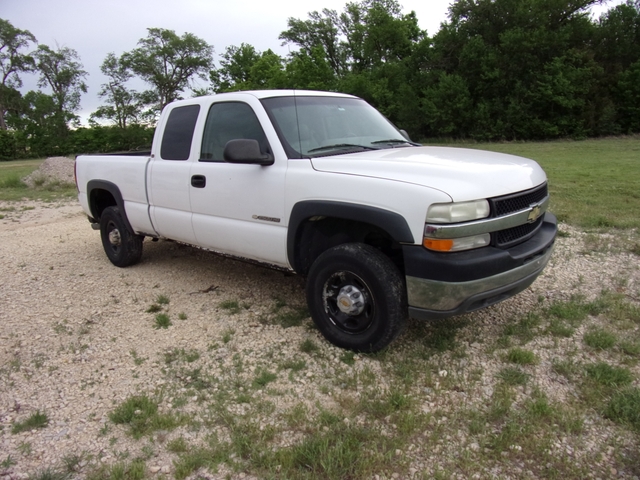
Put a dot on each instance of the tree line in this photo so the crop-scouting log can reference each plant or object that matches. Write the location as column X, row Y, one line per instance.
column 495, row 70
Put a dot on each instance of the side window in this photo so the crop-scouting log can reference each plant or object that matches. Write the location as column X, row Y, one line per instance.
column 229, row 121
column 178, row 133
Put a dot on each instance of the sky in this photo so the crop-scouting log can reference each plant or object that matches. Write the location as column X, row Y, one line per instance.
column 94, row 28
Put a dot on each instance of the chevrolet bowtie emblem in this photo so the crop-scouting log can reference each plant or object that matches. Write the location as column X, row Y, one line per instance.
column 534, row 213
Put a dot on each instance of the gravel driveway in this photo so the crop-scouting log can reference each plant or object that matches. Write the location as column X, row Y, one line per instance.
column 77, row 337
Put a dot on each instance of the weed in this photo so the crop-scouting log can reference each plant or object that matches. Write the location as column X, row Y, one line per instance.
column 195, row 459
column 293, row 317
column 226, row 335
column 624, row 407
column 72, row 462
column 348, row 358
column 231, row 306
column 521, row 356
column 8, row 462
column 524, row 328
column 180, row 354
column 136, row 470
column 599, row 339
column 177, row 445
column 50, row 474
column 308, row 346
column 182, row 316
column 558, row 328
column 154, row 308
column 440, row 336
column 136, row 359
column 263, row 378
column 162, row 321
column 609, row 376
column 62, row 328
column 25, row 448
column 140, row 413
column 294, row 365
column 162, row 300
column 566, row 368
column 630, row 348
column 513, row 376
column 36, row 420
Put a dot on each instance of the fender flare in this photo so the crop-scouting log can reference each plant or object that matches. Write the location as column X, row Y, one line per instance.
column 113, row 189
column 392, row 223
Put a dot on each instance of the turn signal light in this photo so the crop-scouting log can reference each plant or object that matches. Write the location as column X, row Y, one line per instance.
column 456, row 244
column 438, row 245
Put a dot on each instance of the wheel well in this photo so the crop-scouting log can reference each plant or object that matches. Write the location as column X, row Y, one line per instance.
column 315, row 236
column 100, row 199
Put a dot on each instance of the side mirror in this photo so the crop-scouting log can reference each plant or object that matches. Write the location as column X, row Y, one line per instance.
column 246, row 150
column 405, row 134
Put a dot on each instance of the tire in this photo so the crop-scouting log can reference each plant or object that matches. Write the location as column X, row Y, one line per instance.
column 122, row 246
column 372, row 311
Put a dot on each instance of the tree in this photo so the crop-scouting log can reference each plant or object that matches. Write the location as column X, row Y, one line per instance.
column 245, row 68
column 62, row 71
column 124, row 106
column 526, row 64
column 12, row 62
column 169, row 63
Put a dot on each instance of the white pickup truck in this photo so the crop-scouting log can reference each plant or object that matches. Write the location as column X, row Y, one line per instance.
column 323, row 185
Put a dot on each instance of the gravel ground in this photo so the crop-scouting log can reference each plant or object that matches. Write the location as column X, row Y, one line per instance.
column 72, row 326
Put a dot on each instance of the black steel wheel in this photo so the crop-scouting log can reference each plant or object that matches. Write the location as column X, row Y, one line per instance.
column 357, row 297
column 122, row 246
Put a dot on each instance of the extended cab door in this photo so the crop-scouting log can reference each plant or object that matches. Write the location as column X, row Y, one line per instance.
column 239, row 208
column 169, row 175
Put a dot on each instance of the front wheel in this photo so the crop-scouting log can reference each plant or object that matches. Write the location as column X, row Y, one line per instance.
column 357, row 297
column 122, row 246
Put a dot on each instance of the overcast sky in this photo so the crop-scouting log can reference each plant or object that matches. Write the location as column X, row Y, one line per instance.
column 94, row 28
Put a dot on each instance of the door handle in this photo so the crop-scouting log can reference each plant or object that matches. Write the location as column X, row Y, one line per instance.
column 198, row 181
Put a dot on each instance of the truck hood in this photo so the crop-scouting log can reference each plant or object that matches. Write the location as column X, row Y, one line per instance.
column 463, row 174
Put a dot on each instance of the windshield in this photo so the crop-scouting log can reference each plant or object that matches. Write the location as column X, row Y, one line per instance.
column 319, row 126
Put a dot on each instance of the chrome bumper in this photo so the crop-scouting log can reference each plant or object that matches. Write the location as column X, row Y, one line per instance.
column 438, row 299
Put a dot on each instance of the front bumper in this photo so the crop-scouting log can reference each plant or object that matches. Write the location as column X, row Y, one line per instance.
column 441, row 285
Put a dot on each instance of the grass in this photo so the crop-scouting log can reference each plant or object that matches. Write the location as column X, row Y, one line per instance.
column 521, row 356
column 308, row 346
column 231, row 306
column 162, row 320
column 36, row 420
column 140, row 414
column 13, row 189
column 609, row 376
column 593, row 183
column 624, row 407
column 600, row 339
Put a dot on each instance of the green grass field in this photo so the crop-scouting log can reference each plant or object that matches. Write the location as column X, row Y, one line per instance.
column 593, row 183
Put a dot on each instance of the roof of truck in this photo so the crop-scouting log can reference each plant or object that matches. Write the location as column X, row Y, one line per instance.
column 288, row 93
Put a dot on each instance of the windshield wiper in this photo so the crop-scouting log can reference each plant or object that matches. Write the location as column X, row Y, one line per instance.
column 341, row 145
column 395, row 140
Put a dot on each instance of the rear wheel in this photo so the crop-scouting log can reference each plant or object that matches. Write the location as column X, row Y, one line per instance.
column 122, row 246
column 357, row 297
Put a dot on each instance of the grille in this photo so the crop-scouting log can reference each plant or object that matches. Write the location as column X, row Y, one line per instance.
column 511, row 236
column 513, row 203
column 518, row 201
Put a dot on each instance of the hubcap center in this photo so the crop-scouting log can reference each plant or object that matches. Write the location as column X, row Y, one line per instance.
column 350, row 300
column 114, row 237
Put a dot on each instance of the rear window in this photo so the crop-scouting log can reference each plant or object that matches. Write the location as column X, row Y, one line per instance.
column 178, row 133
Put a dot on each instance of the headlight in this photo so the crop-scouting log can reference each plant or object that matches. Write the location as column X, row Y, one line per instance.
column 457, row 212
